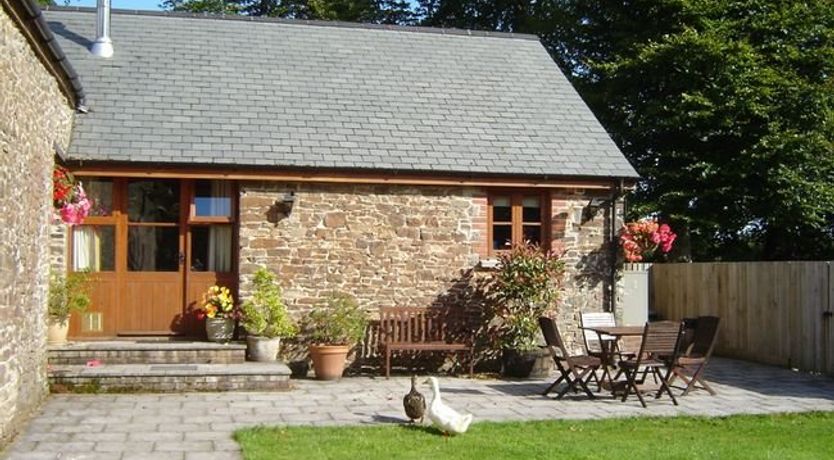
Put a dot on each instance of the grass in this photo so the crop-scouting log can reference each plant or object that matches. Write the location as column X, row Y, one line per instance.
column 794, row 436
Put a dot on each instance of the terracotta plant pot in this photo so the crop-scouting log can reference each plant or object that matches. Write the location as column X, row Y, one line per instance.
column 56, row 331
column 220, row 329
column 262, row 349
column 329, row 360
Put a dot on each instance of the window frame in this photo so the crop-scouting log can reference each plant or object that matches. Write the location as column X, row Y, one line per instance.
column 193, row 218
column 517, row 217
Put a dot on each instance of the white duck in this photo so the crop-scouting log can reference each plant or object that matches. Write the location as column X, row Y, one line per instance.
column 443, row 416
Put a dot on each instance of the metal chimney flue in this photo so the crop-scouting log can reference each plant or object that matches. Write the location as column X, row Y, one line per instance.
column 103, row 46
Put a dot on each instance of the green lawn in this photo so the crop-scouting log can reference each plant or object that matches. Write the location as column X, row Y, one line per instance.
column 808, row 436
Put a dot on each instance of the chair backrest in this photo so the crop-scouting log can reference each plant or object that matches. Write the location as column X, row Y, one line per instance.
column 662, row 339
column 596, row 320
column 552, row 337
column 688, row 335
column 706, row 334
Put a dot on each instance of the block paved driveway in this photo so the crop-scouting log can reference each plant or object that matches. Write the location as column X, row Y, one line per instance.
column 200, row 425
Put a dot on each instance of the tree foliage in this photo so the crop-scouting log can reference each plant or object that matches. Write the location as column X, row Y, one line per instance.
column 370, row 11
column 725, row 107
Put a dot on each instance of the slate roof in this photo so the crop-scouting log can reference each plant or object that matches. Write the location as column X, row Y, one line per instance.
column 209, row 91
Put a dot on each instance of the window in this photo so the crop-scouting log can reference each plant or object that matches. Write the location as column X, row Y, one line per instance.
column 210, row 226
column 515, row 218
column 93, row 245
column 153, row 214
column 94, row 248
column 212, row 198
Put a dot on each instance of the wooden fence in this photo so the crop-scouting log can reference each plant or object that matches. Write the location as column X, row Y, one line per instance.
column 771, row 312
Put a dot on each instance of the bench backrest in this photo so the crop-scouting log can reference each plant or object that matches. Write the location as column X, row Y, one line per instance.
column 420, row 325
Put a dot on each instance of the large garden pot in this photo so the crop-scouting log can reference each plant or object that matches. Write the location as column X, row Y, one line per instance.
column 518, row 364
column 329, row 360
column 220, row 329
column 635, row 292
column 262, row 349
column 57, row 330
column 524, row 364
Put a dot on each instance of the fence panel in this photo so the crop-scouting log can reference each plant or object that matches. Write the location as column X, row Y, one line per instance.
column 771, row 312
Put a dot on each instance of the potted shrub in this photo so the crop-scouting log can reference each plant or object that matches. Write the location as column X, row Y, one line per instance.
column 332, row 330
column 67, row 294
column 219, row 311
column 525, row 286
column 265, row 318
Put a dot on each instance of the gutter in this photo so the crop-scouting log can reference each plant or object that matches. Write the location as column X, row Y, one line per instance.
column 29, row 16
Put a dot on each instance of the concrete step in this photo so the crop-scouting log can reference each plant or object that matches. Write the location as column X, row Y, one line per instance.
column 147, row 351
column 169, row 377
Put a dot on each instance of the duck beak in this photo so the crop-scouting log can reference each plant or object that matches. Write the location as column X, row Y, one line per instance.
column 427, row 381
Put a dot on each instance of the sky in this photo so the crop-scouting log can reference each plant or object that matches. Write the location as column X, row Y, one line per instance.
column 120, row 4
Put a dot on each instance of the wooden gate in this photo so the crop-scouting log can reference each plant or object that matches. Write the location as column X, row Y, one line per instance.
column 771, row 312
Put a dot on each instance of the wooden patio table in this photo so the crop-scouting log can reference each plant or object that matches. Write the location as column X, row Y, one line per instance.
column 607, row 346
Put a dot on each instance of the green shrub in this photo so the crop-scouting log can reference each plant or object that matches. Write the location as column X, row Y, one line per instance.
column 339, row 321
column 67, row 294
column 264, row 313
column 525, row 287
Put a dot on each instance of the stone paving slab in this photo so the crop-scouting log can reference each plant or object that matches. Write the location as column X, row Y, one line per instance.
column 200, row 425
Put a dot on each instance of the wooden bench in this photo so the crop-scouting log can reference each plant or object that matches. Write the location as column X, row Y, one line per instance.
column 424, row 329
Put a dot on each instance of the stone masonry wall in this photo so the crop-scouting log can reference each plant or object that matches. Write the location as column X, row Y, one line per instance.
column 35, row 114
column 400, row 245
column 582, row 232
column 385, row 245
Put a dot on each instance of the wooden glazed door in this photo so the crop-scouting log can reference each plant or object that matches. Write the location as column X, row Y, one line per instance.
column 151, row 294
column 153, row 247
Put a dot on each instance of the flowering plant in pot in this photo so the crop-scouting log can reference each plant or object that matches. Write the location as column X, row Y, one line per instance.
column 332, row 330
column 218, row 309
column 67, row 294
column 68, row 197
column 265, row 318
column 642, row 239
column 525, row 286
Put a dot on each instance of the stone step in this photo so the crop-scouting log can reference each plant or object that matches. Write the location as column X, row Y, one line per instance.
column 147, row 351
column 169, row 377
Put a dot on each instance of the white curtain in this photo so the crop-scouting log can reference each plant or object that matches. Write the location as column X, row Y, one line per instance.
column 86, row 249
column 220, row 248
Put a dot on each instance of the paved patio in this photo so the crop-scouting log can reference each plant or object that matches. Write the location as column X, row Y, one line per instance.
column 199, row 425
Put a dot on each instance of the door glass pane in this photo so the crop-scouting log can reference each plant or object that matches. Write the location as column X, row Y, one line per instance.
column 153, row 249
column 501, row 209
column 100, row 193
column 531, row 209
column 213, row 198
column 153, row 201
column 211, row 248
column 532, row 233
column 502, row 236
column 93, row 248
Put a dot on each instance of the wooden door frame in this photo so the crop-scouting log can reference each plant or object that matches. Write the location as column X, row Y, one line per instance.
column 186, row 220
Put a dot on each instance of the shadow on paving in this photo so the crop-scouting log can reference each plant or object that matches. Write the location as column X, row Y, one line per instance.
column 769, row 380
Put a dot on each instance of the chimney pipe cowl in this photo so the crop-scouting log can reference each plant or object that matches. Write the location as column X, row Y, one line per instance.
column 103, row 46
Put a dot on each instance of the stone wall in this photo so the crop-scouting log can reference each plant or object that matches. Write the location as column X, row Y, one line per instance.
column 583, row 233
column 385, row 245
column 401, row 245
column 35, row 114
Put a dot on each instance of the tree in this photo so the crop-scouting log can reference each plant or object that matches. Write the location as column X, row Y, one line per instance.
column 369, row 11
column 725, row 107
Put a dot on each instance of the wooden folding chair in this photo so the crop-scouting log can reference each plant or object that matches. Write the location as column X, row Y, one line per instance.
column 576, row 370
column 692, row 362
column 600, row 346
column 660, row 339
